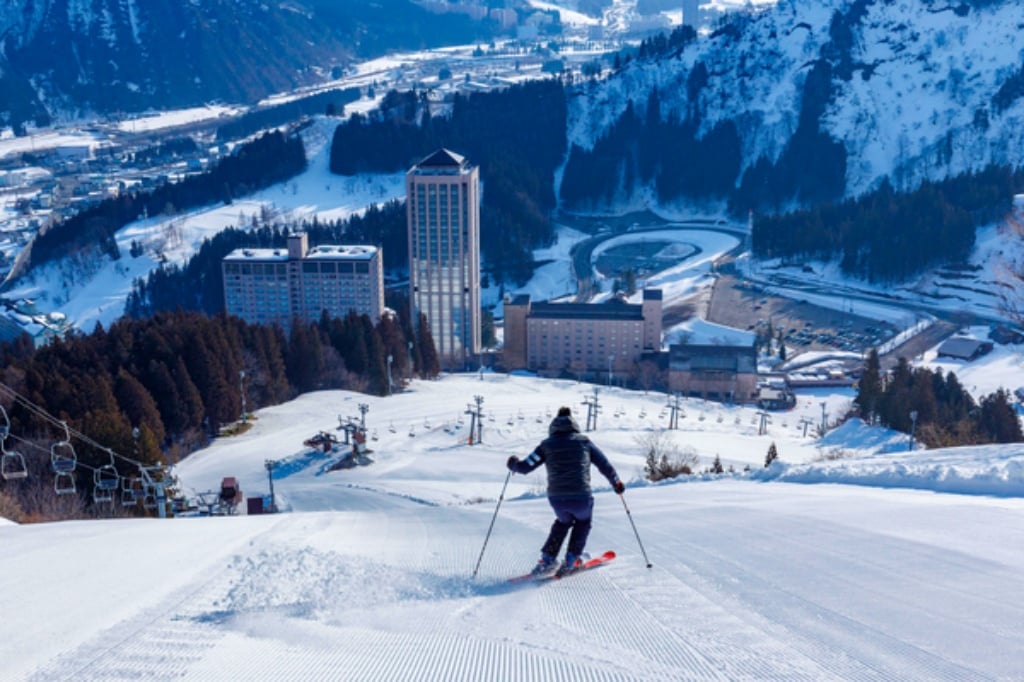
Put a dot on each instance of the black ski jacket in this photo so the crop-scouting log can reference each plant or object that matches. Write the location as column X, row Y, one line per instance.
column 568, row 454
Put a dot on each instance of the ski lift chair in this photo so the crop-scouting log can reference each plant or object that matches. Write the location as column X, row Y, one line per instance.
column 106, row 481
column 63, row 459
column 64, row 483
column 12, row 463
column 128, row 492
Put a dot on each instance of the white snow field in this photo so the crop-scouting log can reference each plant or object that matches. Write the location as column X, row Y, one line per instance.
column 797, row 572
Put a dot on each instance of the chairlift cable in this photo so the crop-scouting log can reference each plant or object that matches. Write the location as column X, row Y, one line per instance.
column 46, row 451
column 40, row 412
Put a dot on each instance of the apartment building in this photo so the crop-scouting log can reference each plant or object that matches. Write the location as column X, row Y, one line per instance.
column 443, row 215
column 275, row 286
column 581, row 338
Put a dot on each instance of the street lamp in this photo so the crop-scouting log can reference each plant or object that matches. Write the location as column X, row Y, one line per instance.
column 390, row 359
column 410, row 362
column 241, row 389
column 913, row 427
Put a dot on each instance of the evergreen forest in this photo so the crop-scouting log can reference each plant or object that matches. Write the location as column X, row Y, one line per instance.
column 935, row 407
column 886, row 236
column 331, row 102
column 178, row 378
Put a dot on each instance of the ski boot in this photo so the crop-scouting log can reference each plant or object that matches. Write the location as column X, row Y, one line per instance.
column 573, row 563
column 545, row 565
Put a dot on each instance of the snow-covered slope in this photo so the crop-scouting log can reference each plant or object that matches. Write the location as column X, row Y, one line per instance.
column 368, row 576
column 915, row 86
column 117, row 55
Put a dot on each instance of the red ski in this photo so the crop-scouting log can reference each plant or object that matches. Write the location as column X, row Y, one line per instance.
column 589, row 563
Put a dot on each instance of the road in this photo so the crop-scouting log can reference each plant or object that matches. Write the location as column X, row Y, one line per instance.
column 583, row 253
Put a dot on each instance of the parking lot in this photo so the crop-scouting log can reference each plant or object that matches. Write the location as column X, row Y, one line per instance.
column 742, row 305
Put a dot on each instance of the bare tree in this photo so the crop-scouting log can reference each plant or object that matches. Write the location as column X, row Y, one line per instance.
column 663, row 458
column 647, row 375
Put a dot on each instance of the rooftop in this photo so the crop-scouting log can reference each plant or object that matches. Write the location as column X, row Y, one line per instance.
column 443, row 162
column 587, row 311
column 323, row 252
column 442, row 157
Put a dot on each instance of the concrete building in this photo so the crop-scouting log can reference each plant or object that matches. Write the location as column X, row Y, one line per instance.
column 581, row 338
column 275, row 286
column 443, row 215
column 714, row 371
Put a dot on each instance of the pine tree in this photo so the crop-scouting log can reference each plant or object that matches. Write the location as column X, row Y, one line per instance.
column 430, row 365
column 138, row 404
column 998, row 422
column 716, row 466
column 773, row 454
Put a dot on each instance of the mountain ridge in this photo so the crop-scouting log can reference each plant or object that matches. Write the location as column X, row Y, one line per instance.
column 68, row 58
column 912, row 91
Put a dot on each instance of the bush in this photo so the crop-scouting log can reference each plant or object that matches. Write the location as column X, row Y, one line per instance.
column 10, row 509
column 663, row 458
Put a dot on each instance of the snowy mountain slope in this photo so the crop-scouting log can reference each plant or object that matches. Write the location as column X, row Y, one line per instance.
column 913, row 95
column 368, row 577
column 111, row 55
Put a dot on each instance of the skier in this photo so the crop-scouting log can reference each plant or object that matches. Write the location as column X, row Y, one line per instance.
column 568, row 455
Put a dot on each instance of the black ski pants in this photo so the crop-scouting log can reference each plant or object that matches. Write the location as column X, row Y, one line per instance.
column 570, row 514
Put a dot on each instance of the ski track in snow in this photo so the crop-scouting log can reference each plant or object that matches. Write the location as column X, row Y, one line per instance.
column 355, row 595
column 368, row 576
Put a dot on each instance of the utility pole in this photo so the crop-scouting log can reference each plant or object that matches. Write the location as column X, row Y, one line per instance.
column 762, row 428
column 824, row 418
column 363, row 409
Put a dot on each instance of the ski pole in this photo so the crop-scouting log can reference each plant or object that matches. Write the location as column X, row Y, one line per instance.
column 642, row 550
column 491, row 527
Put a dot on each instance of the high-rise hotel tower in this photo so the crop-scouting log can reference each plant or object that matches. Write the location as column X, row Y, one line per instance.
column 443, row 208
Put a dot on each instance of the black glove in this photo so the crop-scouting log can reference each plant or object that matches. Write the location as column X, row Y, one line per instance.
column 619, row 487
column 512, row 462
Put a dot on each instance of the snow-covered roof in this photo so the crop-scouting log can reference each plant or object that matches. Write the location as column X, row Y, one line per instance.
column 322, row 252
column 702, row 332
column 334, row 252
